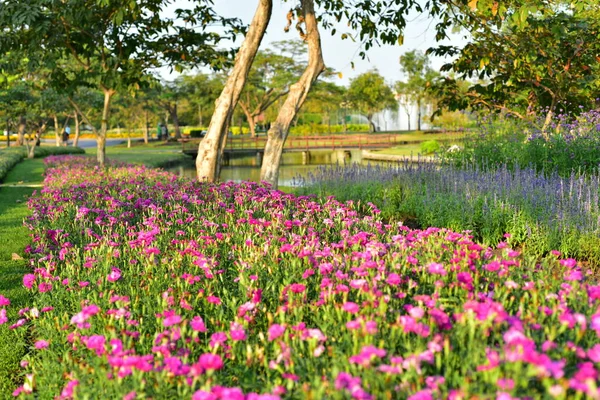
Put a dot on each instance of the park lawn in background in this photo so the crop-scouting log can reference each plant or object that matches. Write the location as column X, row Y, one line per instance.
column 412, row 149
column 154, row 154
column 13, row 239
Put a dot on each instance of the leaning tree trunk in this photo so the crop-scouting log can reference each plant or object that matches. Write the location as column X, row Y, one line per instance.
column 77, row 130
column 371, row 123
column 419, row 114
column 280, row 130
column 208, row 149
column 146, row 130
column 56, row 131
column 175, row 119
column 21, row 131
column 101, row 136
column 33, row 144
column 548, row 119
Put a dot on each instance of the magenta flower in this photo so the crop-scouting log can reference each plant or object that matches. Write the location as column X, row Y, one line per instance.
column 197, row 324
column 114, row 275
column 350, row 307
column 28, row 280
column 275, row 331
column 41, row 344
column 4, row 301
column 68, row 390
column 209, row 361
column 171, row 320
column 297, row 288
column 218, row 339
column 237, row 332
column 213, row 300
column 436, row 269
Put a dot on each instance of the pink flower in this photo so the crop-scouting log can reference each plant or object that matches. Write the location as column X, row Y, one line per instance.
column 436, row 269
column 204, row 395
column 275, row 331
column 237, row 332
column 3, row 318
column 41, row 344
column 213, row 300
column 218, row 339
column 393, row 279
column 67, row 392
column 350, row 307
column 44, row 287
column 4, row 301
column 130, row 396
column 297, row 288
column 171, row 320
column 197, row 324
column 209, row 361
column 28, row 280
column 114, row 275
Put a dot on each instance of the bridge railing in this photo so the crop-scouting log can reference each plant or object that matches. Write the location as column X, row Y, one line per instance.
column 312, row 142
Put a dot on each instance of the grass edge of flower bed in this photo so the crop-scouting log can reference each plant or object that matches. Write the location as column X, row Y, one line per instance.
column 13, row 239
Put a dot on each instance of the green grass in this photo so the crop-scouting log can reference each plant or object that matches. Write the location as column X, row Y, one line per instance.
column 154, row 154
column 404, row 150
column 13, row 239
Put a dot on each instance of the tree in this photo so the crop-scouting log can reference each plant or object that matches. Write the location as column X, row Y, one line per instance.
column 269, row 80
column 211, row 147
column 168, row 95
column 419, row 77
column 280, row 129
column 109, row 44
column 325, row 97
column 202, row 90
column 371, row 94
column 550, row 62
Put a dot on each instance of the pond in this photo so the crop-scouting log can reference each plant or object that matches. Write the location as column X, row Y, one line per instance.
column 293, row 164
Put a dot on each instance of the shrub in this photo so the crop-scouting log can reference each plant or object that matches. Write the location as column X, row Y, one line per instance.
column 541, row 213
column 430, row 147
column 13, row 155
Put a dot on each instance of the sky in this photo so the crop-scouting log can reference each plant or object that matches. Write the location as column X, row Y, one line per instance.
column 339, row 54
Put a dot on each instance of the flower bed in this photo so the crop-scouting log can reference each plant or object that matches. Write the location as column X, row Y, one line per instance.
column 150, row 286
column 541, row 213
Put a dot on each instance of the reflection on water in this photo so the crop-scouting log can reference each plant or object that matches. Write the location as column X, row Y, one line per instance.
column 247, row 168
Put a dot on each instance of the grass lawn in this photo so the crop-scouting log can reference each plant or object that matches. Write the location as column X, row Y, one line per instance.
column 13, row 239
column 153, row 154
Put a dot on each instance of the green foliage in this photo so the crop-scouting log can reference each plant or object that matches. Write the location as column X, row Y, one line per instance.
column 370, row 94
column 522, row 70
column 12, row 156
column 196, row 133
column 325, row 129
column 430, row 147
column 13, row 239
column 415, row 90
column 575, row 149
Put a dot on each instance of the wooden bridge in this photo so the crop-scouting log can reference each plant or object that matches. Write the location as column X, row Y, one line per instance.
column 256, row 146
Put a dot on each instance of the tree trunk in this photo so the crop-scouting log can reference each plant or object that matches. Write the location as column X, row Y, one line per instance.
column 408, row 120
column 222, row 149
column 101, row 135
column 33, row 144
column 146, row 129
column 208, row 149
column 175, row 119
column 56, row 131
column 77, row 130
column 419, row 114
column 21, row 131
column 252, row 124
column 548, row 119
column 371, row 123
column 279, row 131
